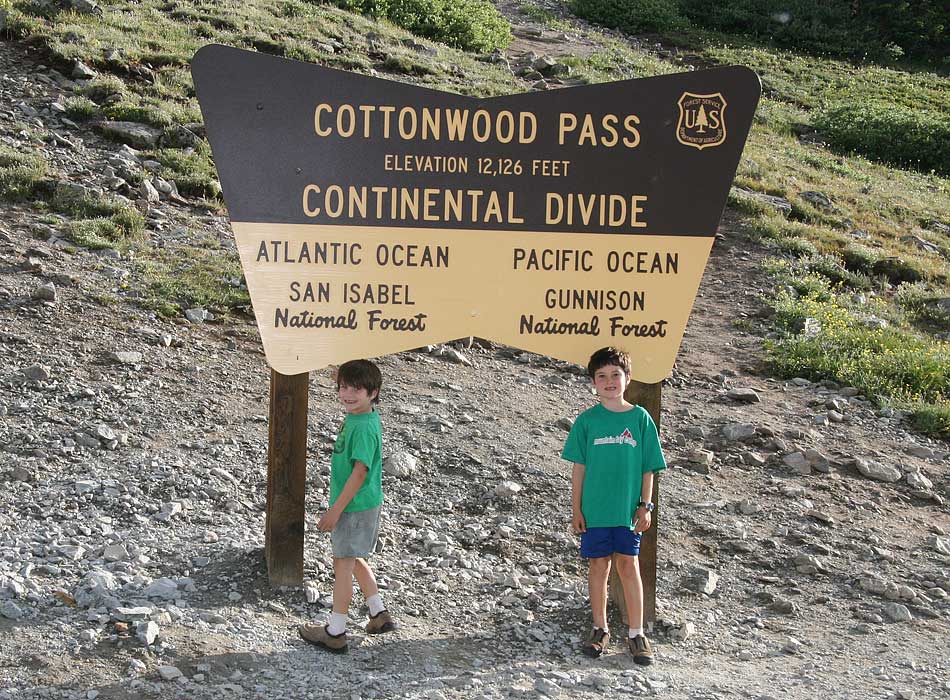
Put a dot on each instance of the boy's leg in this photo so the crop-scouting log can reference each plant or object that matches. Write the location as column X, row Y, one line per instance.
column 332, row 636
column 380, row 620
column 628, row 569
column 342, row 588
column 597, row 585
column 365, row 578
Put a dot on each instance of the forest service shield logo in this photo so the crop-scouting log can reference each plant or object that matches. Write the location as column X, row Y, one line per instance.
column 702, row 122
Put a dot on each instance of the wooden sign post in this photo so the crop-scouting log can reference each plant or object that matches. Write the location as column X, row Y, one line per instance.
column 648, row 396
column 286, row 478
column 373, row 217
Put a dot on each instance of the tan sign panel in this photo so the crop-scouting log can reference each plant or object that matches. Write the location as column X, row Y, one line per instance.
column 373, row 217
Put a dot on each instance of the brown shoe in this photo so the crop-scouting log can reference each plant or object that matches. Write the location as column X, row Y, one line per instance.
column 597, row 643
column 641, row 650
column 380, row 622
column 317, row 634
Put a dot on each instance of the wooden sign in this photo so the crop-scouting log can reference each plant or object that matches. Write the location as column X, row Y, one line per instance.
column 373, row 216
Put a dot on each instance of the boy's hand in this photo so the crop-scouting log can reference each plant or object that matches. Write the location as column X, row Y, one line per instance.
column 642, row 519
column 578, row 524
column 328, row 521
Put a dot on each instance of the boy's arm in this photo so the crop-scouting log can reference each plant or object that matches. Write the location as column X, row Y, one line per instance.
column 577, row 489
column 643, row 516
column 329, row 519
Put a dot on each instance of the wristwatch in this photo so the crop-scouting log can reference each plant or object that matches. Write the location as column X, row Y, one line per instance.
column 646, row 504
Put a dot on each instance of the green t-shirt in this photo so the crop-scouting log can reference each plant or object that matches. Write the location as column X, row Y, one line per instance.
column 617, row 449
column 360, row 438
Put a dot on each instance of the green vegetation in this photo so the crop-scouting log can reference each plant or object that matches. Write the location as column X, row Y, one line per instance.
column 865, row 29
column 907, row 137
column 889, row 364
column 21, row 175
column 924, row 307
column 932, row 420
column 203, row 276
column 118, row 230
column 81, row 109
column 471, row 25
column 631, row 16
column 193, row 171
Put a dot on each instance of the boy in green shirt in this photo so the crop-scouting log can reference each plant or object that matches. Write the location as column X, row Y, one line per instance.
column 356, row 496
column 616, row 450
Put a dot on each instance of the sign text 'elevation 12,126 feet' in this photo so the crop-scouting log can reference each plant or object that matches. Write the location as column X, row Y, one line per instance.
column 373, row 216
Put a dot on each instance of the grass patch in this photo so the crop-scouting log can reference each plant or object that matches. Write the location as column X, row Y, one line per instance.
column 193, row 172
column 470, row 25
column 193, row 277
column 402, row 63
column 81, row 203
column 888, row 364
column 831, row 269
column 117, row 231
column 932, row 420
column 81, row 109
column 144, row 76
column 925, row 307
column 21, row 175
column 631, row 16
column 859, row 258
column 796, row 247
column 905, row 137
column 537, row 13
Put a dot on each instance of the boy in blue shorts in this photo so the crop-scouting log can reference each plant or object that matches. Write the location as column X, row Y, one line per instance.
column 616, row 450
column 356, row 497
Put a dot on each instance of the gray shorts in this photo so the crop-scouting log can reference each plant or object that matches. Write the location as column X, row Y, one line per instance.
column 355, row 534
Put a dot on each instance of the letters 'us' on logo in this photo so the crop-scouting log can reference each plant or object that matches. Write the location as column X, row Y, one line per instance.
column 702, row 122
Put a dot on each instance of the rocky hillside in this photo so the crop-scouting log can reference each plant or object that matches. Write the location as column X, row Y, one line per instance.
column 803, row 533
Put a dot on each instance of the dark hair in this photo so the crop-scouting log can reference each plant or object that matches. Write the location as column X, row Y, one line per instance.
column 361, row 374
column 608, row 356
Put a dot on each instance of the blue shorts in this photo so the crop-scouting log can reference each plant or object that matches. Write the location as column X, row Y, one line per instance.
column 600, row 542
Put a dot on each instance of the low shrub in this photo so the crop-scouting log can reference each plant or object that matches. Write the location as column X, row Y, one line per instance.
column 857, row 258
column 886, row 363
column 799, row 282
column 631, row 15
column 198, row 277
column 896, row 270
column 471, row 25
column 21, row 174
column 193, row 172
column 831, row 268
column 924, row 307
column 876, row 29
column 797, row 247
column 81, row 109
column 932, row 420
column 912, row 138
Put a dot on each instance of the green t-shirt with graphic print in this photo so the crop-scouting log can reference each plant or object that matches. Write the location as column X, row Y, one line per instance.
column 617, row 449
column 360, row 438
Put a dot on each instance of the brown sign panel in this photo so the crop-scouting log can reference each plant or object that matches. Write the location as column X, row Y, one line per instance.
column 373, row 216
